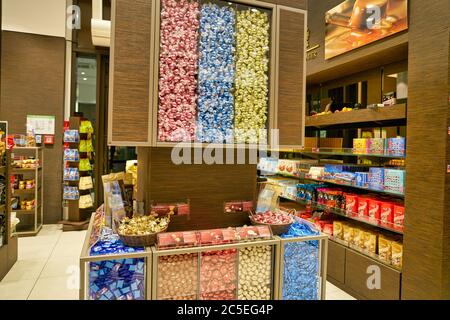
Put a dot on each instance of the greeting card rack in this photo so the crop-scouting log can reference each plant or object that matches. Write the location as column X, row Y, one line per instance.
column 78, row 214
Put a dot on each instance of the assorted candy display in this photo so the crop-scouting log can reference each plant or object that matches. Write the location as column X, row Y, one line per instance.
column 178, row 70
column 227, row 47
column 255, row 273
column 27, row 204
column 252, row 64
column 244, row 273
column 301, row 265
column 178, row 277
column 389, row 146
column 25, row 163
column 371, row 208
column 272, row 217
column 218, row 275
column 216, row 73
column 20, row 184
column 144, row 225
column 387, row 248
column 373, row 178
column 116, row 279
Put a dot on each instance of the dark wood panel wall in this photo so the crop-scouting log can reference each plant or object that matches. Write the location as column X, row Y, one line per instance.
column 131, row 54
column 32, row 82
column 206, row 186
column 426, row 267
column 298, row 4
column 291, row 77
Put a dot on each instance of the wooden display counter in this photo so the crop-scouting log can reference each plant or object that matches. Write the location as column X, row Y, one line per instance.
column 154, row 272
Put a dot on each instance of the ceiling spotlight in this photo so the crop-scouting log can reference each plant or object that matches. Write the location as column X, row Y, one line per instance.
column 85, row 79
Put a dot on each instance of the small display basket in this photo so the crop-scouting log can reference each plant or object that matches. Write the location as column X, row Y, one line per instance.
column 146, row 240
column 140, row 240
column 277, row 229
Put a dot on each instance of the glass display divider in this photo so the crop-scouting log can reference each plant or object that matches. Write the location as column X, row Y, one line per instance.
column 199, row 281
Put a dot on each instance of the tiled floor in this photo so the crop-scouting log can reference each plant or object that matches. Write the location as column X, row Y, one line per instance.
column 48, row 266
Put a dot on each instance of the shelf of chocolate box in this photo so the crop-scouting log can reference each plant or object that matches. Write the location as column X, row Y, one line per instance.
column 389, row 181
column 359, row 237
column 120, row 278
column 390, row 148
column 363, row 237
column 24, row 190
column 372, row 209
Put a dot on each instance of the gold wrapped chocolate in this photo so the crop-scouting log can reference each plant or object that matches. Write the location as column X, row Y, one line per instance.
column 252, row 64
column 145, row 225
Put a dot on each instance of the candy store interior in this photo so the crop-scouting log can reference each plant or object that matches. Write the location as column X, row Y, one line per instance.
column 224, row 150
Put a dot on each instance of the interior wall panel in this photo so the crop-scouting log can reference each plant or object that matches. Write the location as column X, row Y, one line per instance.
column 426, row 268
column 291, row 77
column 206, row 186
column 32, row 72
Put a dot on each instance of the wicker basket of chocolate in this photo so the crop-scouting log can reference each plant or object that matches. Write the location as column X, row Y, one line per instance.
column 278, row 221
column 142, row 231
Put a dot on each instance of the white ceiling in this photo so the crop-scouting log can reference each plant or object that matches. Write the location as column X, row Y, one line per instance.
column 45, row 17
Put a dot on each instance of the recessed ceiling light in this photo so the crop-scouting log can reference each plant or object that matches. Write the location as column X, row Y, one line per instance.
column 83, row 73
column 85, row 79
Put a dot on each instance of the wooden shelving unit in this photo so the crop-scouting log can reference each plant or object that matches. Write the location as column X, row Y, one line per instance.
column 8, row 251
column 368, row 116
column 342, row 213
column 25, row 228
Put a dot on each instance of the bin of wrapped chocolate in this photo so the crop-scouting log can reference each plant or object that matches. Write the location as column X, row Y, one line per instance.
column 218, row 236
column 116, row 279
column 218, row 275
column 173, row 240
column 252, row 233
column 278, row 221
column 300, row 263
column 142, row 231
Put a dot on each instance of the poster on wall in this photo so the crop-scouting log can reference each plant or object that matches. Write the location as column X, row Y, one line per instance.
column 356, row 23
column 44, row 125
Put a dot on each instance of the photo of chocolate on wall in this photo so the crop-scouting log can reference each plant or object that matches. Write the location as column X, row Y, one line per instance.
column 356, row 23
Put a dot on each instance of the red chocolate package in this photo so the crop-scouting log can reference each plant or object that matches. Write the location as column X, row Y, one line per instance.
column 363, row 207
column 328, row 229
column 399, row 215
column 387, row 212
column 351, row 204
column 374, row 209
